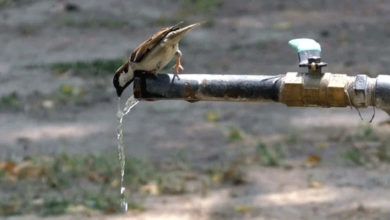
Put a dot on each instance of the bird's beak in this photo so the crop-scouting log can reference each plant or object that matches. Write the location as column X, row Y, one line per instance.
column 119, row 89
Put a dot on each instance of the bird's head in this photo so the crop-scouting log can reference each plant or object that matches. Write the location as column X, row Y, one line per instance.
column 123, row 77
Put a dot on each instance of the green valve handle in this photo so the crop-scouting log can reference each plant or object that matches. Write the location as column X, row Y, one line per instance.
column 307, row 49
column 305, row 44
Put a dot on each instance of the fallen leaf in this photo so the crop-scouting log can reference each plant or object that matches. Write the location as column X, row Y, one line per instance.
column 7, row 167
column 189, row 176
column 212, row 116
column 314, row 184
column 34, row 172
column 7, row 209
column 17, row 169
column 312, row 160
column 27, row 170
column 110, row 211
column 234, row 134
column 217, row 177
column 151, row 189
column 95, row 176
column 242, row 208
column 114, row 183
column 67, row 89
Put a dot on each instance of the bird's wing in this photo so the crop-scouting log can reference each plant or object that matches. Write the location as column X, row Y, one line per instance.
column 143, row 49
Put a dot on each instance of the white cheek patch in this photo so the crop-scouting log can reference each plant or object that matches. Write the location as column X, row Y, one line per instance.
column 125, row 78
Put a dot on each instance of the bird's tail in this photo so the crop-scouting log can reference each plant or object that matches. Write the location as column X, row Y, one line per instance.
column 177, row 35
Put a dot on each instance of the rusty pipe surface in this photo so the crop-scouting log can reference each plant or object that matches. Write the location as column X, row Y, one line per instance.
column 208, row 87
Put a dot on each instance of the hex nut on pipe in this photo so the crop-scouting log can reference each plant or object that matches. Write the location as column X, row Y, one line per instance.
column 336, row 90
column 292, row 89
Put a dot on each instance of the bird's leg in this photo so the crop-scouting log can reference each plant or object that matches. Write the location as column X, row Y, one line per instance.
column 178, row 65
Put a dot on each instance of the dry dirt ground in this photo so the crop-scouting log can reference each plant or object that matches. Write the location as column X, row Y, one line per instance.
column 249, row 37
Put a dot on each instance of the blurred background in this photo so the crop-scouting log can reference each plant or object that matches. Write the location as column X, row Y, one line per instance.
column 207, row 160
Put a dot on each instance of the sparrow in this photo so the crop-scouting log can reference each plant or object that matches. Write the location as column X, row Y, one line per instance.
column 153, row 55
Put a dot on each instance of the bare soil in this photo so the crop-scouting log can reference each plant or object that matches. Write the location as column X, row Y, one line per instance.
column 243, row 38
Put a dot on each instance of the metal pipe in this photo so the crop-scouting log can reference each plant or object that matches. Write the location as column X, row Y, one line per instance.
column 292, row 89
column 382, row 93
column 207, row 87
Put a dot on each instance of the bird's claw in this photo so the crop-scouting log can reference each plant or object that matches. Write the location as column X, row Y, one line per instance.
column 176, row 75
column 177, row 68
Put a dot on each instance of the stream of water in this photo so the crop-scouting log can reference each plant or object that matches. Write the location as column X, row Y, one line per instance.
column 130, row 103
